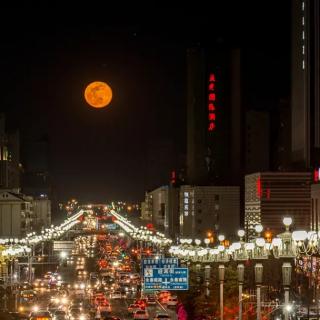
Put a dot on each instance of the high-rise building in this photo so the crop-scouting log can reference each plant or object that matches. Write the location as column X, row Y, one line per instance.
column 257, row 141
column 36, row 179
column 214, row 117
column 161, row 206
column 204, row 209
column 305, row 86
column 270, row 196
column 16, row 214
column 10, row 166
column 280, row 137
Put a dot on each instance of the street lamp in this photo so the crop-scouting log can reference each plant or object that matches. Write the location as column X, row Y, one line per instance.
column 258, row 272
column 63, row 254
column 221, row 279
column 240, row 269
column 286, row 281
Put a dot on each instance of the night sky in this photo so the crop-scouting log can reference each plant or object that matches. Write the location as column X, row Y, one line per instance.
column 46, row 62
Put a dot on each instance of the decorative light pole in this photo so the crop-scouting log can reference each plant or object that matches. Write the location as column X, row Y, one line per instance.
column 284, row 247
column 286, row 281
column 221, row 279
column 258, row 271
column 207, row 271
column 240, row 269
column 260, row 252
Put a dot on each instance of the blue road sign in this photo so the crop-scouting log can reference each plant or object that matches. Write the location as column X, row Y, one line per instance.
column 160, row 263
column 112, row 226
column 166, row 278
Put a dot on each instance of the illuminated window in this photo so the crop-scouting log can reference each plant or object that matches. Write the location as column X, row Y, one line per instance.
column 186, row 213
column 186, row 194
column 303, row 21
column 303, row 49
column 303, row 35
column 186, row 200
column 303, row 6
column 186, row 207
column 303, row 65
column 212, row 116
column 212, row 77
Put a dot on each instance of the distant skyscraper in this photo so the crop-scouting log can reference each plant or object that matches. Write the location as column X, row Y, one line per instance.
column 214, row 117
column 36, row 179
column 305, row 88
column 9, row 157
column 257, row 141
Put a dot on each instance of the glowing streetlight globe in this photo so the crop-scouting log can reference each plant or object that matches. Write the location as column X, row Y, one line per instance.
column 98, row 94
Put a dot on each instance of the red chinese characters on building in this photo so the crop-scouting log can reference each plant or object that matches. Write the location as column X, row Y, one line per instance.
column 211, row 103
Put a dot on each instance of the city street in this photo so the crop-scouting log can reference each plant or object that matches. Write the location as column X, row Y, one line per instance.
column 96, row 279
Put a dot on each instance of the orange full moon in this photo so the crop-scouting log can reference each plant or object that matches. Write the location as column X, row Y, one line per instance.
column 98, row 94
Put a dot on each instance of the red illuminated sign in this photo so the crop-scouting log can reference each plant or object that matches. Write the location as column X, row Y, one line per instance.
column 211, row 103
column 259, row 188
column 173, row 177
column 316, row 175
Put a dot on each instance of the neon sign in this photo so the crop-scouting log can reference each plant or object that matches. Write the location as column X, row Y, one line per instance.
column 316, row 175
column 211, row 103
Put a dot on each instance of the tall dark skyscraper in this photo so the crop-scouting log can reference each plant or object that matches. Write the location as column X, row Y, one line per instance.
column 36, row 178
column 305, row 87
column 10, row 167
column 214, row 117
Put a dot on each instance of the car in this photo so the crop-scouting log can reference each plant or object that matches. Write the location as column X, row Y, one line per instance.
column 60, row 315
column 172, row 301
column 142, row 303
column 116, row 295
column 151, row 300
column 25, row 286
column 141, row 314
column 40, row 315
column 17, row 316
column 162, row 316
column 133, row 308
column 81, row 273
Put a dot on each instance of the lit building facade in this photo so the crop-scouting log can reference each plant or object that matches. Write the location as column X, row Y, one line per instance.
column 16, row 214
column 204, row 209
column 269, row 196
column 161, row 208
